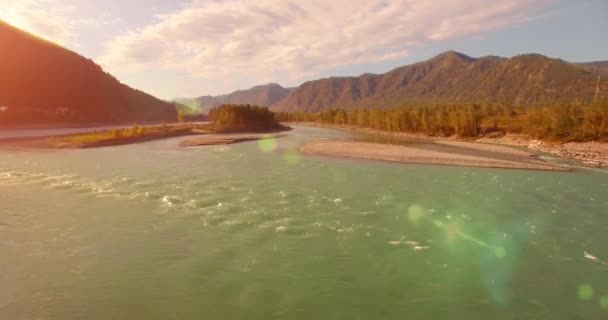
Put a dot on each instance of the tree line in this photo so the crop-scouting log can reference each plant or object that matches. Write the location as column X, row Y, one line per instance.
column 560, row 122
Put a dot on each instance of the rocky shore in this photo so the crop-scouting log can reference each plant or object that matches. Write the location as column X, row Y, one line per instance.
column 590, row 154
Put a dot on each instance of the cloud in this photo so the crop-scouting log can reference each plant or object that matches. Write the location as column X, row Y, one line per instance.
column 265, row 38
column 41, row 17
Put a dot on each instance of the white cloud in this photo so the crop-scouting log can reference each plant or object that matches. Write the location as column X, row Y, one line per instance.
column 44, row 18
column 258, row 39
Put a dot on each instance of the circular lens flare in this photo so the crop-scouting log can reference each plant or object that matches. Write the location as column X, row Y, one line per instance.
column 267, row 144
column 292, row 156
column 585, row 292
column 500, row 252
column 415, row 214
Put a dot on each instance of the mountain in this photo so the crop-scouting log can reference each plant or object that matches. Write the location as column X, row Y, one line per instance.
column 43, row 83
column 598, row 66
column 263, row 95
column 452, row 77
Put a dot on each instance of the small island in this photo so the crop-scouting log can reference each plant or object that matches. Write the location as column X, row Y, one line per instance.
column 237, row 123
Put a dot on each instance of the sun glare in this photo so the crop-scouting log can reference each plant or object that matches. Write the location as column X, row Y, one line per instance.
column 9, row 16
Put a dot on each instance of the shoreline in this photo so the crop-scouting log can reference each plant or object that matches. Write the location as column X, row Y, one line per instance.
column 93, row 125
column 396, row 146
column 461, row 155
column 56, row 142
column 591, row 154
column 133, row 135
column 213, row 139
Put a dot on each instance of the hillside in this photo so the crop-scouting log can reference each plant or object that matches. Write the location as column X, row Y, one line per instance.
column 263, row 95
column 529, row 79
column 43, row 83
column 599, row 66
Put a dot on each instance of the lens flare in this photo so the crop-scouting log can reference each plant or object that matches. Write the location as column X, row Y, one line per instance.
column 415, row 214
column 291, row 156
column 585, row 292
column 500, row 252
column 453, row 232
column 267, row 144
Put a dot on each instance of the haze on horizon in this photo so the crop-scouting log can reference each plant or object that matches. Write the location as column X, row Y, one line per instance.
column 191, row 48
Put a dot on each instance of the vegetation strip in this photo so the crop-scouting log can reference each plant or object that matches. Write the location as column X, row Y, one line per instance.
column 562, row 123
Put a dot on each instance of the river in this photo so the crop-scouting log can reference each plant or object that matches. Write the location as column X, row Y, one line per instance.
column 258, row 231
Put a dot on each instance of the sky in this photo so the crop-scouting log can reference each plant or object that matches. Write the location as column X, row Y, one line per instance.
column 188, row 48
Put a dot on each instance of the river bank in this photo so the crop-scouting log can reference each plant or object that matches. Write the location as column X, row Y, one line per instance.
column 122, row 136
column 103, row 138
column 227, row 138
column 591, row 154
column 459, row 154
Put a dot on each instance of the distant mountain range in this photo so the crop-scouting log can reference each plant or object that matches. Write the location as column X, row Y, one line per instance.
column 41, row 82
column 263, row 95
column 529, row 79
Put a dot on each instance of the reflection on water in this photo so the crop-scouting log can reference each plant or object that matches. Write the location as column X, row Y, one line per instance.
column 154, row 231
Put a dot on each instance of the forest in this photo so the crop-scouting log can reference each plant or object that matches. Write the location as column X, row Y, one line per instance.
column 243, row 118
column 565, row 122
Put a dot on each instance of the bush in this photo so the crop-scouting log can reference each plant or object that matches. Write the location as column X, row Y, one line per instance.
column 116, row 133
column 595, row 120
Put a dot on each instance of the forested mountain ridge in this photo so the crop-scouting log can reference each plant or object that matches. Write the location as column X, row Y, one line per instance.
column 262, row 95
column 43, row 83
column 529, row 79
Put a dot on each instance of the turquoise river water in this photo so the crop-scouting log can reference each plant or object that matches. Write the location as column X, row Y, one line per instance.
column 258, row 231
